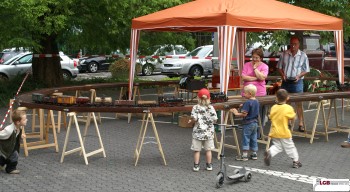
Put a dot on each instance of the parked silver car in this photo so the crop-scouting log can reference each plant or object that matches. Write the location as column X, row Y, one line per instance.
column 21, row 63
column 154, row 64
column 192, row 67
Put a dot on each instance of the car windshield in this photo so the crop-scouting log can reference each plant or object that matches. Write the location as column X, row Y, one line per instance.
column 22, row 58
column 12, row 59
column 200, row 52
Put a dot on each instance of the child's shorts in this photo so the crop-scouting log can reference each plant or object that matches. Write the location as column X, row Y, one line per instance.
column 206, row 144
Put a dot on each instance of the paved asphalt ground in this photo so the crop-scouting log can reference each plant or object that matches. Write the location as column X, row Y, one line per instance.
column 42, row 170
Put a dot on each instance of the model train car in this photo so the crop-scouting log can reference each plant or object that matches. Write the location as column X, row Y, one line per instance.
column 103, row 101
column 218, row 97
column 124, row 102
column 82, row 100
column 41, row 98
column 170, row 101
column 59, row 99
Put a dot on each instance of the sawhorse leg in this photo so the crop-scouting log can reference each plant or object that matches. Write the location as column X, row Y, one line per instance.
column 338, row 127
column 320, row 107
column 147, row 116
column 81, row 140
column 263, row 136
column 228, row 114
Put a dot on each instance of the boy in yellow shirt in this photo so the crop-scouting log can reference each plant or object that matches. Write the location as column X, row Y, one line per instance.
column 281, row 136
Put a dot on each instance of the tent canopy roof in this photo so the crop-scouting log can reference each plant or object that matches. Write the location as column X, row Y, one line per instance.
column 247, row 15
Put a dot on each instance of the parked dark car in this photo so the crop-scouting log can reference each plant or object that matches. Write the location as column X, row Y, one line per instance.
column 330, row 50
column 93, row 64
column 330, row 60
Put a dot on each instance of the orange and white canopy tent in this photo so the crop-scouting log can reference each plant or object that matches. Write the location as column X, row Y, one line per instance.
column 232, row 19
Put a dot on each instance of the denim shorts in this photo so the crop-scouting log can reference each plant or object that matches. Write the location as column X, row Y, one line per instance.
column 293, row 87
column 249, row 137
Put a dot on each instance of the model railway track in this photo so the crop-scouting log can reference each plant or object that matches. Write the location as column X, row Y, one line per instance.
column 26, row 100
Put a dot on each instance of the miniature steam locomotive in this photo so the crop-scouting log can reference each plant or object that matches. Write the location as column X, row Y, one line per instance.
column 218, row 97
column 170, row 101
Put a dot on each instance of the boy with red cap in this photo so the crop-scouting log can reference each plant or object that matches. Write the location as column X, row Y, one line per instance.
column 204, row 116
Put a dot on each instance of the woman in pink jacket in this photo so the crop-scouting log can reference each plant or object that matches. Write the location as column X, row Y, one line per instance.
column 255, row 72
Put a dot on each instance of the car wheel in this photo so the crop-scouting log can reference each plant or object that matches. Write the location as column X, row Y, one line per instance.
column 66, row 75
column 93, row 67
column 147, row 69
column 196, row 71
column 3, row 77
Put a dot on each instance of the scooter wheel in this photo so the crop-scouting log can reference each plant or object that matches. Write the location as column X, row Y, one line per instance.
column 247, row 177
column 220, row 180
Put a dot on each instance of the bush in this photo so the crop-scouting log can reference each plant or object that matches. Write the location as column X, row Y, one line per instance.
column 318, row 73
column 120, row 69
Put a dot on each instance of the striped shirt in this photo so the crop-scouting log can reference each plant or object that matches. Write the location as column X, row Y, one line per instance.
column 293, row 65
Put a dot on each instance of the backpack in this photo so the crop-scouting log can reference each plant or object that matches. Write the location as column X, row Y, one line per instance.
column 184, row 81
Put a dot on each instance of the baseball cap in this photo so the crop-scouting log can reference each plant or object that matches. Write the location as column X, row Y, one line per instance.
column 203, row 92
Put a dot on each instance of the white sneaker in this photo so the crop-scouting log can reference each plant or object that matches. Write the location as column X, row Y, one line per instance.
column 16, row 171
column 196, row 167
column 209, row 167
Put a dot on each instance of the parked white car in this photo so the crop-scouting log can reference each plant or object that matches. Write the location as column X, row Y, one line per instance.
column 192, row 67
column 154, row 64
column 21, row 63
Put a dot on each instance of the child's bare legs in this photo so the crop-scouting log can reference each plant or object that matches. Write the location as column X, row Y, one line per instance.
column 196, row 156
column 208, row 156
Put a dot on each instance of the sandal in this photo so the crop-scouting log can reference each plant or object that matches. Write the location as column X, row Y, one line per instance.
column 301, row 128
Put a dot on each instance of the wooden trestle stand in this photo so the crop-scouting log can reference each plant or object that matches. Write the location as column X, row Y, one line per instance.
column 84, row 119
column 218, row 145
column 338, row 127
column 264, row 138
column 81, row 149
column 43, row 138
column 146, row 118
column 123, row 91
column 311, row 135
column 327, row 129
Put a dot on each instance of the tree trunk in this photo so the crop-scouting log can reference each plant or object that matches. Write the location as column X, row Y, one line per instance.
column 300, row 35
column 47, row 69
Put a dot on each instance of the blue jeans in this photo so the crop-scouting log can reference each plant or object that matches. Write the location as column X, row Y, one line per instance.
column 11, row 162
column 293, row 87
column 249, row 137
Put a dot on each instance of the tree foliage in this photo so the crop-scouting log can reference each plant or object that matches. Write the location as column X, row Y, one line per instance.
column 103, row 26
column 336, row 8
column 47, row 26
